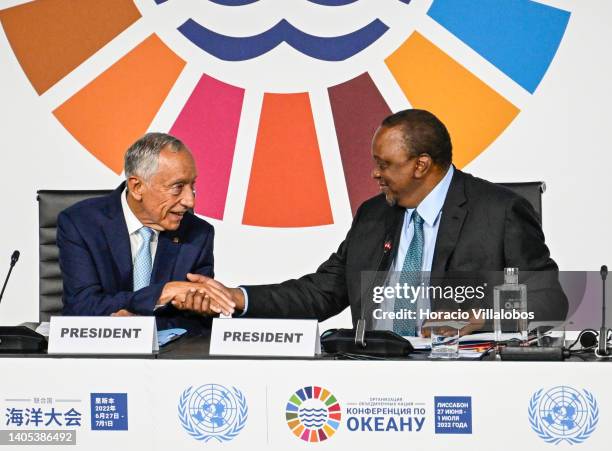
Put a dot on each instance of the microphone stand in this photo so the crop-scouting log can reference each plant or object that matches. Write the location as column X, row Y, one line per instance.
column 19, row 339
column 602, row 349
column 14, row 259
column 360, row 328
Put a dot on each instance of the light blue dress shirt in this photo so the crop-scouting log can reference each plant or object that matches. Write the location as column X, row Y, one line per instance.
column 430, row 209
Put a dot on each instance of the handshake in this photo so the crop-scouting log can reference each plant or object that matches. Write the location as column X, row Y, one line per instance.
column 199, row 294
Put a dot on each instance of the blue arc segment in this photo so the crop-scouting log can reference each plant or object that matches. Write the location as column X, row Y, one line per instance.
column 292, row 408
column 229, row 48
column 519, row 37
column 332, row 2
column 234, row 2
column 221, row 2
column 301, row 394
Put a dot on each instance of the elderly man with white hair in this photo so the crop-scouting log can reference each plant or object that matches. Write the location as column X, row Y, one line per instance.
column 130, row 253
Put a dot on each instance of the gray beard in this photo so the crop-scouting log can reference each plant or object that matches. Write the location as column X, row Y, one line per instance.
column 392, row 201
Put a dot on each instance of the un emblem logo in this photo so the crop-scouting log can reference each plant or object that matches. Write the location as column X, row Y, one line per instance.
column 212, row 411
column 563, row 414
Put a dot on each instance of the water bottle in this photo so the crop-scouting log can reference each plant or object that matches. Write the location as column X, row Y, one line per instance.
column 510, row 303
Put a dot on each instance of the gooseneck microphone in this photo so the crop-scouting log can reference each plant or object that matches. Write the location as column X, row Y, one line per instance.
column 14, row 259
column 602, row 349
column 360, row 328
column 19, row 339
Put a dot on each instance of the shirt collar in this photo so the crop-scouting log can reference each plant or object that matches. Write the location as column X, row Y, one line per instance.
column 430, row 207
column 132, row 222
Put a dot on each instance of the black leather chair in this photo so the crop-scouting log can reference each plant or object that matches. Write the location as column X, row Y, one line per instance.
column 532, row 191
column 50, row 204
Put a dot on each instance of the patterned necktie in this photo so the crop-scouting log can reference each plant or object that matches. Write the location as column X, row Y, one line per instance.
column 143, row 263
column 411, row 276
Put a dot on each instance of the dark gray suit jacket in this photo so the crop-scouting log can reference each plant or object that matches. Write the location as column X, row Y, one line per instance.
column 484, row 227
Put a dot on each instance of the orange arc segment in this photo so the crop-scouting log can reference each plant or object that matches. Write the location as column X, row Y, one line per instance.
column 117, row 107
column 293, row 423
column 287, row 187
column 51, row 38
column 473, row 112
column 328, row 430
column 314, row 437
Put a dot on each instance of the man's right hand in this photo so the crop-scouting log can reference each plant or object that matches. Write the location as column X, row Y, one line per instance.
column 219, row 292
column 174, row 290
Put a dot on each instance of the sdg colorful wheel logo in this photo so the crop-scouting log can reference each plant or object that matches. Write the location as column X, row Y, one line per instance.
column 276, row 98
column 313, row 414
column 563, row 414
column 213, row 412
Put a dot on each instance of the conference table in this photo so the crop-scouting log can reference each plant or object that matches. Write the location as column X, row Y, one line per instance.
column 181, row 398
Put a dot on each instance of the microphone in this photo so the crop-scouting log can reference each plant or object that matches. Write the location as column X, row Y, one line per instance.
column 19, row 339
column 588, row 339
column 361, row 322
column 602, row 350
column 14, row 259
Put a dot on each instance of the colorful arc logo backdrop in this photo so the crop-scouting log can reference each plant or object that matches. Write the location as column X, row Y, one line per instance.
column 313, row 414
column 352, row 53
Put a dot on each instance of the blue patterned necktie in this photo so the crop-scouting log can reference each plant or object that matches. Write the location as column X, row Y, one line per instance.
column 410, row 275
column 143, row 264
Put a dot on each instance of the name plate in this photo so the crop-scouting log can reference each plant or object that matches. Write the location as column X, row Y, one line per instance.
column 265, row 337
column 102, row 335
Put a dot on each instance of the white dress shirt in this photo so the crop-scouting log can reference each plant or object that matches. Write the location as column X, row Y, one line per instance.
column 133, row 225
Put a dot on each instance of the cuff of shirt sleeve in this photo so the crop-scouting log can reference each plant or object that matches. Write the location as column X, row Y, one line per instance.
column 246, row 302
column 143, row 301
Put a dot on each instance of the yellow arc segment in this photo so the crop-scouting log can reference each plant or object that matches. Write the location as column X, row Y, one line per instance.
column 473, row 112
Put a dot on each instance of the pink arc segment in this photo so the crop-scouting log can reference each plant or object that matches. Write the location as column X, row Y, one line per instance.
column 208, row 125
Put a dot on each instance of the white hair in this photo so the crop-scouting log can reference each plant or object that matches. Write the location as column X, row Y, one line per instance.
column 142, row 157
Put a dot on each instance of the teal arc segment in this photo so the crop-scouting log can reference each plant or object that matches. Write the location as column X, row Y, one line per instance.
column 519, row 37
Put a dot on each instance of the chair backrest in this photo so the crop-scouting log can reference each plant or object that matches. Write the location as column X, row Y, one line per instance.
column 532, row 191
column 50, row 204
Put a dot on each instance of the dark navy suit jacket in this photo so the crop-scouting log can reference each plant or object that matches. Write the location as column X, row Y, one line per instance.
column 96, row 262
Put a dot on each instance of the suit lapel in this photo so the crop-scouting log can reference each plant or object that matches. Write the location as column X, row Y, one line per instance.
column 168, row 246
column 383, row 257
column 118, row 240
column 393, row 230
column 454, row 212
